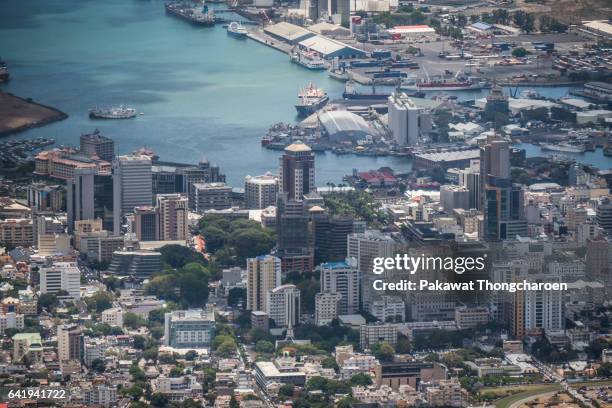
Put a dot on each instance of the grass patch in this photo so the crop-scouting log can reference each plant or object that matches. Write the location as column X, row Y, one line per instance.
column 590, row 383
column 540, row 389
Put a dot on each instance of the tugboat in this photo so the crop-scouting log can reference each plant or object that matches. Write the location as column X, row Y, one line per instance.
column 191, row 13
column 235, row 29
column 307, row 59
column 113, row 112
column 4, row 72
column 310, row 100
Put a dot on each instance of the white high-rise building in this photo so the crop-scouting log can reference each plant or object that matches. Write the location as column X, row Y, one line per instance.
column 544, row 308
column 132, row 185
column 172, row 211
column 326, row 307
column 284, row 305
column 341, row 278
column 61, row 276
column 260, row 191
column 263, row 275
column 363, row 248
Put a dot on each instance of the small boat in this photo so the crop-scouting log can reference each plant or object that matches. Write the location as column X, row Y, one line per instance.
column 113, row 112
column 235, row 29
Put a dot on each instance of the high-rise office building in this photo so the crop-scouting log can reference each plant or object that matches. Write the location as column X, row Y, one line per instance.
column 330, row 233
column 260, row 191
column 43, row 197
column 326, row 307
column 452, row 197
column 263, row 275
column 502, row 201
column 64, row 276
column 297, row 171
column 69, row 342
column 172, row 212
column 341, row 278
column 90, row 196
column 297, row 179
column 284, row 305
column 95, row 144
column 145, row 223
column 132, row 185
column 470, row 179
column 604, row 216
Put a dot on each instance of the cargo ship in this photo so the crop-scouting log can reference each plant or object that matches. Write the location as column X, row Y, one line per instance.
column 308, row 59
column 310, row 100
column 563, row 148
column 350, row 92
column 116, row 112
column 235, row 29
column 448, row 85
column 189, row 12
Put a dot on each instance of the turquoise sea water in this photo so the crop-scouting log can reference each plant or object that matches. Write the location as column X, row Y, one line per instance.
column 203, row 94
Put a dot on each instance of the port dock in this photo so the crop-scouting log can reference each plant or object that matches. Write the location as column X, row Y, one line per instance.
column 262, row 38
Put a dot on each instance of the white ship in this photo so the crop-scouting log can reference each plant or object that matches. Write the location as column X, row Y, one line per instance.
column 563, row 148
column 308, row 59
column 113, row 112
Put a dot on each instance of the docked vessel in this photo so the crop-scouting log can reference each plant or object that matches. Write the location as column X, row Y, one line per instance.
column 4, row 72
column 308, row 59
column 563, row 148
column 310, row 100
column 448, row 85
column 235, row 29
column 113, row 112
column 350, row 92
column 192, row 13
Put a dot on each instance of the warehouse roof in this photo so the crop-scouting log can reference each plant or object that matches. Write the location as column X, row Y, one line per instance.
column 288, row 31
column 326, row 46
column 481, row 26
column 412, row 29
column 452, row 155
column 343, row 121
column 328, row 28
column 600, row 25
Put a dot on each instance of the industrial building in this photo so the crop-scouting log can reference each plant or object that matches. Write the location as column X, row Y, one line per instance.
column 344, row 125
column 459, row 158
column 287, row 32
column 414, row 32
column 330, row 49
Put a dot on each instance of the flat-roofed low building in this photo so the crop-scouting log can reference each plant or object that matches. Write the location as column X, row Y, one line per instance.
column 410, row 373
column 371, row 334
column 470, row 317
column 192, row 328
column 449, row 158
column 267, row 372
column 287, row 32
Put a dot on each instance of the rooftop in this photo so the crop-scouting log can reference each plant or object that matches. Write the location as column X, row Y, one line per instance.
column 297, row 147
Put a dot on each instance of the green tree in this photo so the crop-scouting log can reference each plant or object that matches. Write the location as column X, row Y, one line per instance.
column 383, row 351
column 519, row 52
column 286, row 391
column 159, row 400
column 233, row 403
column 98, row 365
column 132, row 320
column 264, row 346
column 191, row 355
column 361, row 379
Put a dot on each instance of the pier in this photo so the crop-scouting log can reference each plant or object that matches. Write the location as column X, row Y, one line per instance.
column 259, row 36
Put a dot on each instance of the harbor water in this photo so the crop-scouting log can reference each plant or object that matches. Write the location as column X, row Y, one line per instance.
column 203, row 94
